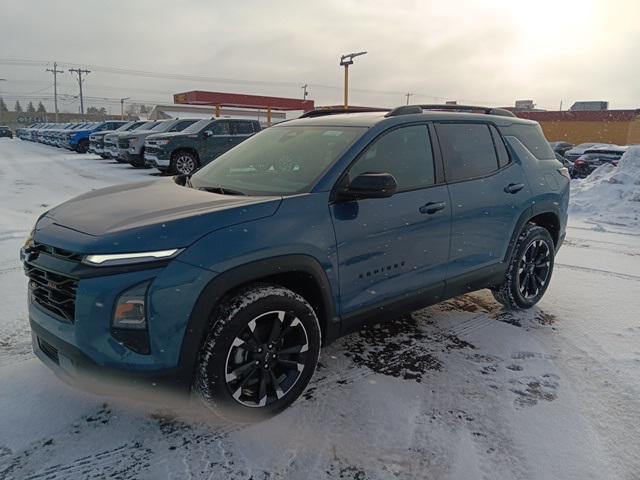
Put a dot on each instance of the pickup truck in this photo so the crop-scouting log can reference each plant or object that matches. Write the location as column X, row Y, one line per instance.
column 185, row 152
column 78, row 140
column 96, row 139
column 131, row 145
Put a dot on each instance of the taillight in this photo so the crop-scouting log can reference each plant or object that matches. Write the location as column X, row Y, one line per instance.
column 564, row 171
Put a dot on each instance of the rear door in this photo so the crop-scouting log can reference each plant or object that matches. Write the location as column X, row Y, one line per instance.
column 241, row 130
column 393, row 249
column 488, row 194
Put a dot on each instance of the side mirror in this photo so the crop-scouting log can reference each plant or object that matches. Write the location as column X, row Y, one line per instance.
column 208, row 133
column 370, row 185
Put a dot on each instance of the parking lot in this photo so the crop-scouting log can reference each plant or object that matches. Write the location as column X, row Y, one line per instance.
column 459, row 390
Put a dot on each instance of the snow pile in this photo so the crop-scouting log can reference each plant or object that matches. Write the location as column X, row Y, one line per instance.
column 610, row 195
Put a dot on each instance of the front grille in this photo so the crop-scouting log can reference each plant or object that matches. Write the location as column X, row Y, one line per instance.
column 53, row 292
column 49, row 350
column 56, row 252
column 123, row 143
column 152, row 150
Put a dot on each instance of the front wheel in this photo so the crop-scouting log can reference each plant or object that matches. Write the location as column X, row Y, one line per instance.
column 529, row 271
column 184, row 163
column 259, row 355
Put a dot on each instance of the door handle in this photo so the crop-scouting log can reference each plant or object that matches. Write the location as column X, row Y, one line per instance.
column 432, row 207
column 514, row 187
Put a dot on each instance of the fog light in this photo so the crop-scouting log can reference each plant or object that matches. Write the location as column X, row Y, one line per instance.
column 129, row 324
column 130, row 308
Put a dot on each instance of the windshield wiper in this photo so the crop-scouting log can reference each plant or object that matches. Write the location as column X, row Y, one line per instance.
column 222, row 190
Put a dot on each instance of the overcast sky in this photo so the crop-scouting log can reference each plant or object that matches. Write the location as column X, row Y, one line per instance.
column 490, row 52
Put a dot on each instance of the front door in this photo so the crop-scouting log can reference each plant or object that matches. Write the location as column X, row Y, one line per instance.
column 390, row 249
column 217, row 142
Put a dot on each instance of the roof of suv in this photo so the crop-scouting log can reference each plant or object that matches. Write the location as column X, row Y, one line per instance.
column 369, row 119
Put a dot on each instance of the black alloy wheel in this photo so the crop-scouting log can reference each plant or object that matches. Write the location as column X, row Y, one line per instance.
column 533, row 270
column 266, row 359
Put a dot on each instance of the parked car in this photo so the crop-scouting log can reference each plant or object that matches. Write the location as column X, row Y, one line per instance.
column 567, row 163
column 96, row 139
column 197, row 145
column 573, row 153
column 592, row 159
column 131, row 145
column 78, row 139
column 5, row 132
column 226, row 283
column 111, row 139
column 561, row 147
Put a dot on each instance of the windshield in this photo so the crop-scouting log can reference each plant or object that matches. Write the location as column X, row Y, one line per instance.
column 162, row 126
column 198, row 126
column 279, row 160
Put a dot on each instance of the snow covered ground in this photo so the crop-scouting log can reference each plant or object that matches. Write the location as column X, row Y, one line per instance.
column 461, row 390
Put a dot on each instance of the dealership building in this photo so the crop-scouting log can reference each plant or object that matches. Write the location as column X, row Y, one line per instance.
column 267, row 110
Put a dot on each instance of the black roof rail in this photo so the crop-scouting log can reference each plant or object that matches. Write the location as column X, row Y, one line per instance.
column 322, row 111
column 411, row 109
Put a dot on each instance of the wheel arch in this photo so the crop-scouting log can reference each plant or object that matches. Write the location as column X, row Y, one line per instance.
column 300, row 273
column 548, row 218
column 191, row 150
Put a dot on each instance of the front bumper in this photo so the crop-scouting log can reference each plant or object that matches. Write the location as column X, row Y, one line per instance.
column 152, row 160
column 83, row 351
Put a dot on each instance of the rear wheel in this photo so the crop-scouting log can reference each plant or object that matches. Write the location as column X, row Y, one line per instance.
column 529, row 271
column 260, row 354
column 183, row 162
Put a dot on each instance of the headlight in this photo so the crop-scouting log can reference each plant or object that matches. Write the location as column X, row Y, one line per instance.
column 162, row 142
column 107, row 260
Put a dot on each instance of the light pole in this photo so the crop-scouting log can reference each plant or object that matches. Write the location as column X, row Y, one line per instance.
column 1, row 112
column 345, row 61
column 122, row 107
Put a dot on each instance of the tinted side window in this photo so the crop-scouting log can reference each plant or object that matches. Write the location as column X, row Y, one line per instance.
column 501, row 150
column 219, row 127
column 532, row 137
column 241, row 128
column 178, row 127
column 467, row 149
column 405, row 153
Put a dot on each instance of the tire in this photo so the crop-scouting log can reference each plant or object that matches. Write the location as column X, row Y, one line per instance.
column 230, row 382
column 529, row 271
column 183, row 162
column 83, row 147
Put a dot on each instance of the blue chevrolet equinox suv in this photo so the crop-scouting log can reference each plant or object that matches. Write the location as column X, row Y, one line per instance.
column 224, row 285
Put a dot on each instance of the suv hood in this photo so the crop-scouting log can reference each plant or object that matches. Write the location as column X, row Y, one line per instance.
column 135, row 133
column 155, row 215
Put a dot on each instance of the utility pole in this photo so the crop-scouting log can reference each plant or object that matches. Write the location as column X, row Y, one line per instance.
column 80, row 71
column 55, row 72
column 1, row 112
column 408, row 95
column 304, row 91
column 345, row 61
column 122, row 107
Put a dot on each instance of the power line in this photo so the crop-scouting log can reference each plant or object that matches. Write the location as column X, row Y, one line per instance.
column 233, row 81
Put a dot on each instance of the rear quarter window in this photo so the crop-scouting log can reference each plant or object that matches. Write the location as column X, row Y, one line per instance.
column 532, row 138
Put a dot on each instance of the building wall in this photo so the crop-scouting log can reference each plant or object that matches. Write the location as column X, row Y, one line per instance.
column 580, row 132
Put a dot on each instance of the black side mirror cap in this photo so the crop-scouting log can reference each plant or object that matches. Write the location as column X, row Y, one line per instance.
column 369, row 185
column 208, row 133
